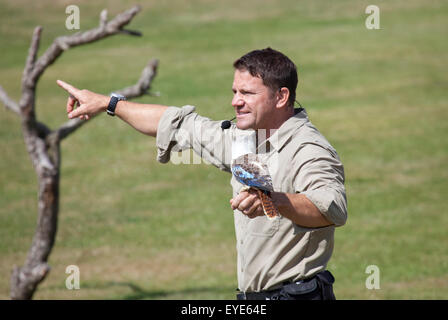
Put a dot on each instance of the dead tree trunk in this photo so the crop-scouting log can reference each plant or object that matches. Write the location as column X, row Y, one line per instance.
column 25, row 279
column 43, row 144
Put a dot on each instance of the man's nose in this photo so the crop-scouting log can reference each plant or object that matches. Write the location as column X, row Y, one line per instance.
column 237, row 101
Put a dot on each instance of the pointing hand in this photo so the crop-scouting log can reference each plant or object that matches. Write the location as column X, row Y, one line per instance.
column 83, row 103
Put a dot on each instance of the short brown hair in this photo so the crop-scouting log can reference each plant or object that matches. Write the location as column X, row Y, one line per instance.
column 273, row 67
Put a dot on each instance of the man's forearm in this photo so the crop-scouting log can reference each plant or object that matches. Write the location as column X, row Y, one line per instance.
column 299, row 209
column 143, row 117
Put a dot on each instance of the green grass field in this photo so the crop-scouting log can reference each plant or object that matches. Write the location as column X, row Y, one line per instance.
column 138, row 229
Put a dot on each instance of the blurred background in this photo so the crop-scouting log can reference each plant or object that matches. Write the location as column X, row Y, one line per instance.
column 138, row 229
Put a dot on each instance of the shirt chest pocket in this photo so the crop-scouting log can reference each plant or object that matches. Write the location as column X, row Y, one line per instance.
column 263, row 227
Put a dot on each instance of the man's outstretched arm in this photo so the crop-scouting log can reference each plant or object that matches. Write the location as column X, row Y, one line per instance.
column 143, row 117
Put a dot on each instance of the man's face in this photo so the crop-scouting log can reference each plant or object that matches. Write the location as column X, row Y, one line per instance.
column 254, row 103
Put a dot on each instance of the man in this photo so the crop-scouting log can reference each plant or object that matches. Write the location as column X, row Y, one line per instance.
column 281, row 258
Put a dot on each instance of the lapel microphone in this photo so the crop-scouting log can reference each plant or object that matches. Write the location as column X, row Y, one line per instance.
column 226, row 124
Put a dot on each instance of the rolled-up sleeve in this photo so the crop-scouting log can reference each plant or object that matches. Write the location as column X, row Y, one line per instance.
column 181, row 129
column 320, row 177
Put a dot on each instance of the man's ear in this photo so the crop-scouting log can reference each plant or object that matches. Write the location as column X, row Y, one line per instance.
column 282, row 97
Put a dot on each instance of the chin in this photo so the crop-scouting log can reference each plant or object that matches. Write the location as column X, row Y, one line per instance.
column 245, row 123
column 242, row 125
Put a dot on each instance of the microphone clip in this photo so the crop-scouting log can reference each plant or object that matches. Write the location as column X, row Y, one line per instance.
column 226, row 124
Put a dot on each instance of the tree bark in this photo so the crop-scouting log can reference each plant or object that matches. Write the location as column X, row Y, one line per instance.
column 25, row 279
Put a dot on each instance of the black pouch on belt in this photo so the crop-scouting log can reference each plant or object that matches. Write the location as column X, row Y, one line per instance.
column 320, row 287
column 326, row 281
column 304, row 290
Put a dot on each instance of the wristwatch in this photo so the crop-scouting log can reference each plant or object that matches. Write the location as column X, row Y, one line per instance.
column 114, row 98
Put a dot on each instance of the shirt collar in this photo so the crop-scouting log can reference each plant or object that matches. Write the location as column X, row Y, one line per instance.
column 282, row 135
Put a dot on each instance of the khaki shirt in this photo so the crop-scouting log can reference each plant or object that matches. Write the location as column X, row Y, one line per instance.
column 300, row 160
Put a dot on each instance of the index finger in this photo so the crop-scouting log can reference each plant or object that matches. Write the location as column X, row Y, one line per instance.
column 67, row 87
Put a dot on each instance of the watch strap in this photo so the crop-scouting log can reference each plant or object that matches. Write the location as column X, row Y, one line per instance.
column 112, row 105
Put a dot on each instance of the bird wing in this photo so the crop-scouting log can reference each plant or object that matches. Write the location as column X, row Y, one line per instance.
column 249, row 170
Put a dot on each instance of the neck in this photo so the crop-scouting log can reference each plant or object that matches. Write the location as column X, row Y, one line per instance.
column 274, row 125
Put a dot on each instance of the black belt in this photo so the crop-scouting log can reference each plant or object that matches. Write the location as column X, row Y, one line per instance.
column 298, row 289
column 263, row 295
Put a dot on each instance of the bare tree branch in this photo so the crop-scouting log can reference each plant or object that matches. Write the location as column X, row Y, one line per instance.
column 69, row 127
column 34, row 132
column 8, row 102
column 31, row 59
column 140, row 88
column 131, row 32
column 60, row 44
column 103, row 18
column 27, row 99
column 144, row 83
column 33, row 70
